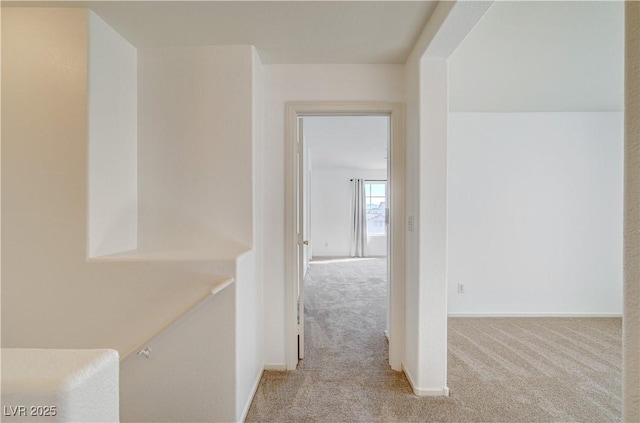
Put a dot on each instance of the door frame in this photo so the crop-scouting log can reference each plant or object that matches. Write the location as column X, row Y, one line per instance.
column 397, row 216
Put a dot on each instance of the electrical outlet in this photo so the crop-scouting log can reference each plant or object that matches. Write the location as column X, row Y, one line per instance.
column 460, row 288
column 326, row 244
column 410, row 223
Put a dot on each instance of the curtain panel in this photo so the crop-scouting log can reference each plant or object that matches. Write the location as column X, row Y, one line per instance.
column 358, row 219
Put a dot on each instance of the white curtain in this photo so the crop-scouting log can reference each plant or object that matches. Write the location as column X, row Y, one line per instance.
column 358, row 219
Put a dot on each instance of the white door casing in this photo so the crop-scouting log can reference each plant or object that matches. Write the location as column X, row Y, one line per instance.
column 294, row 251
column 301, row 233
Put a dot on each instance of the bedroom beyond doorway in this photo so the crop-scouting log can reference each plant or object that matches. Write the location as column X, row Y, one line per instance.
column 344, row 196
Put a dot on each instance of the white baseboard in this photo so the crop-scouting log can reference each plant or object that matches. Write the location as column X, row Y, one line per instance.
column 280, row 367
column 438, row 392
column 535, row 314
column 254, row 389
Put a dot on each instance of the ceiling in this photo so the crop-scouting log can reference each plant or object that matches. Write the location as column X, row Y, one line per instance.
column 282, row 31
column 522, row 56
column 541, row 57
column 347, row 142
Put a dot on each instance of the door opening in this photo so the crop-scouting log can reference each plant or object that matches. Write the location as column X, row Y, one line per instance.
column 342, row 181
column 383, row 212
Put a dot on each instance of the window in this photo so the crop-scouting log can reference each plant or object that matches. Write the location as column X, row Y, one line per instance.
column 375, row 193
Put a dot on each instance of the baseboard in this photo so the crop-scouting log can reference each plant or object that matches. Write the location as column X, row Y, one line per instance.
column 279, row 367
column 440, row 392
column 535, row 314
column 254, row 389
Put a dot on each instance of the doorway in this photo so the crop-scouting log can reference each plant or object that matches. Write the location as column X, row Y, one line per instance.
column 344, row 222
column 297, row 242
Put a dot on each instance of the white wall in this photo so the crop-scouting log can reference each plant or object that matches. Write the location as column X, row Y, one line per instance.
column 425, row 359
column 307, row 171
column 200, row 154
column 432, row 228
column 535, row 176
column 195, row 140
column 47, row 282
column 410, row 356
column 299, row 83
column 44, row 216
column 331, row 202
column 535, row 213
column 172, row 385
column 113, row 134
column 52, row 296
column 249, row 330
column 249, row 333
column 547, row 56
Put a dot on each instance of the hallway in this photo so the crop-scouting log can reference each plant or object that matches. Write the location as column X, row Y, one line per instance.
column 345, row 373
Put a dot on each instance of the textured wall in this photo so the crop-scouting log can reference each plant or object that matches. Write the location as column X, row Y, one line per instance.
column 60, row 385
column 631, row 319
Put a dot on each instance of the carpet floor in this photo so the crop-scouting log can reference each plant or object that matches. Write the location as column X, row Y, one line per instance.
column 500, row 369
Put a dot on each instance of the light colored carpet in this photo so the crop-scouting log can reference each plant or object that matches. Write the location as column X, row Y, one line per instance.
column 507, row 370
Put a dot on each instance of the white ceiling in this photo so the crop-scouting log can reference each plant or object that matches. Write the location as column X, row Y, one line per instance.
column 347, row 142
column 282, row 31
column 522, row 56
column 541, row 57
